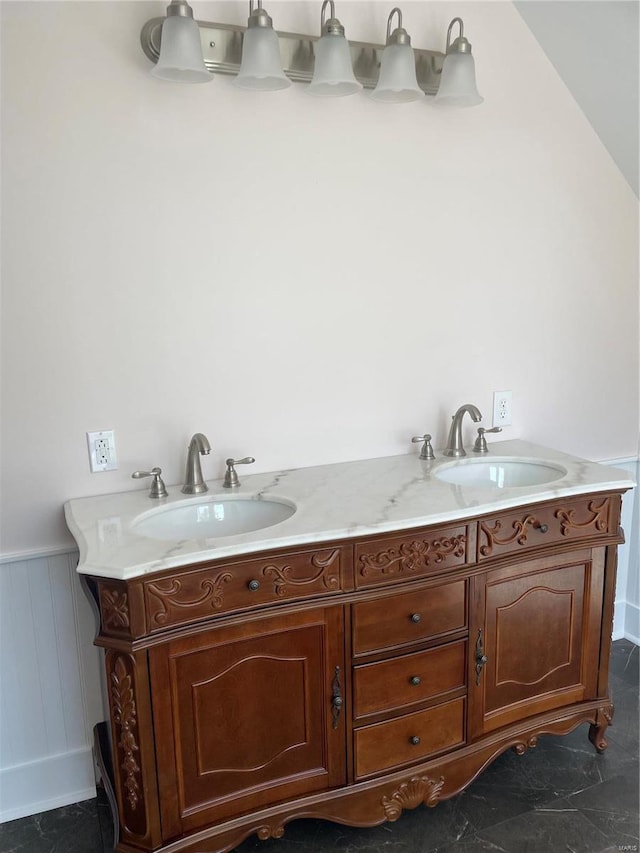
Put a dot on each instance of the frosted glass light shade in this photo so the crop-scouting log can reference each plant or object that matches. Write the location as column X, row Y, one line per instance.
column 333, row 75
column 397, row 82
column 180, row 57
column 458, row 82
column 261, row 66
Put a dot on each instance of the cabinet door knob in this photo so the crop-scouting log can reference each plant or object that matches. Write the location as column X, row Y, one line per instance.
column 416, row 617
column 253, row 585
column 415, row 740
column 542, row 527
column 415, row 680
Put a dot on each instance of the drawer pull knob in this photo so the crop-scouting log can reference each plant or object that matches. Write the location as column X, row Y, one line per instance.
column 542, row 527
column 415, row 680
column 254, row 585
column 415, row 740
column 416, row 617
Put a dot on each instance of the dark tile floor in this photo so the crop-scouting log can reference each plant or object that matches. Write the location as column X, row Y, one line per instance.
column 558, row 798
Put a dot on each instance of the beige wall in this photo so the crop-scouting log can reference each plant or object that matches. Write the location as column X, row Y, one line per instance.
column 306, row 281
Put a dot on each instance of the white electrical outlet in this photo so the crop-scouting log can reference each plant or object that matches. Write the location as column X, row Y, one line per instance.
column 102, row 450
column 502, row 408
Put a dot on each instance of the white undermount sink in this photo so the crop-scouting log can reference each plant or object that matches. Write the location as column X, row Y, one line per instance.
column 499, row 473
column 212, row 518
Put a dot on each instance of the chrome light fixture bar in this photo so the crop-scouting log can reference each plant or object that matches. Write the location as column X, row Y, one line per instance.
column 222, row 54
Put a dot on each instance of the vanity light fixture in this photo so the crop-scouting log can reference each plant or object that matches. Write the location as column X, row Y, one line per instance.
column 261, row 58
column 397, row 83
column 261, row 66
column 458, row 82
column 333, row 75
column 180, row 57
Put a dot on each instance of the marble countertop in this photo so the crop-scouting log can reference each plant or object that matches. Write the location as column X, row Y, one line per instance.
column 337, row 501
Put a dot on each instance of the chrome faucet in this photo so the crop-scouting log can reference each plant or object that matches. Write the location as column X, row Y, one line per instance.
column 454, row 444
column 193, row 481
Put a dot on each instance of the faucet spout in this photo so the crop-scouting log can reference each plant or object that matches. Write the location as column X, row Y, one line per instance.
column 454, row 444
column 194, row 483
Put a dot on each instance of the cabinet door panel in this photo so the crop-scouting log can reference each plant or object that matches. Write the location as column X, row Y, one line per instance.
column 226, row 729
column 251, row 715
column 537, row 627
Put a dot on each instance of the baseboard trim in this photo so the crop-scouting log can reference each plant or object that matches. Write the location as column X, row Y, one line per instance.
column 49, row 783
column 631, row 622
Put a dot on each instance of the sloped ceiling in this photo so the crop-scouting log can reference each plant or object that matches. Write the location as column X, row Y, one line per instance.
column 593, row 45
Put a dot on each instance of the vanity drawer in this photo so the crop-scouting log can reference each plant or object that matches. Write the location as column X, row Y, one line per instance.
column 404, row 681
column 390, row 559
column 547, row 524
column 403, row 619
column 187, row 596
column 408, row 739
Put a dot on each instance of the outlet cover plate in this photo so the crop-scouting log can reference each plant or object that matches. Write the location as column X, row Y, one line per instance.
column 102, row 450
column 502, row 408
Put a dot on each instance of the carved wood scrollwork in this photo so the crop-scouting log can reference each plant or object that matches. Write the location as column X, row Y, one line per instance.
column 519, row 533
column 412, row 556
column 266, row 832
column 607, row 712
column 282, row 575
column 124, row 717
column 523, row 746
column 419, row 789
column 599, row 514
column 115, row 608
column 173, row 595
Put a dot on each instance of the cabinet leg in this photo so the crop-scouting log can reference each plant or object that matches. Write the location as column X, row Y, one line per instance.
column 102, row 755
column 604, row 717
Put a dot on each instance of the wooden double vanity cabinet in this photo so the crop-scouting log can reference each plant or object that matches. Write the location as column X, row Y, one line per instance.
column 352, row 679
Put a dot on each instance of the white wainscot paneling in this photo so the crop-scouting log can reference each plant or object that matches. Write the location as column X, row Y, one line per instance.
column 626, row 621
column 50, row 690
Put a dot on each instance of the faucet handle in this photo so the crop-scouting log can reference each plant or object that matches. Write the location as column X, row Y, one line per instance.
column 426, row 451
column 158, row 488
column 481, row 442
column 231, row 477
